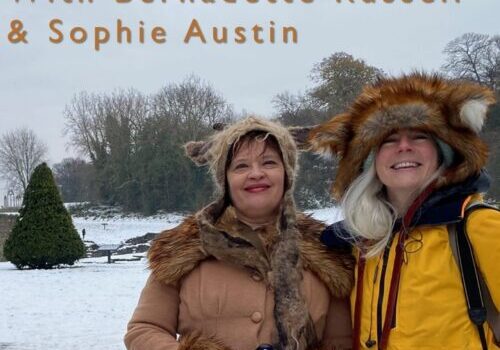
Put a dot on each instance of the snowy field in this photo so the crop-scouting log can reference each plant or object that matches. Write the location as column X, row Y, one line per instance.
column 116, row 230
column 83, row 307
column 86, row 306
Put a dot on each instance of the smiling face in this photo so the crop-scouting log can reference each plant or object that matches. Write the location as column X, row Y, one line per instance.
column 404, row 162
column 256, row 180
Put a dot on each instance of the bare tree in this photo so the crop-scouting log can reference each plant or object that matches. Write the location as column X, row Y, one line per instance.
column 474, row 57
column 20, row 152
column 191, row 106
column 105, row 127
column 97, row 122
column 297, row 109
column 85, row 119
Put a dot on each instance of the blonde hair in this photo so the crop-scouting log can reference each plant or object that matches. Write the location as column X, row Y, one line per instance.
column 369, row 216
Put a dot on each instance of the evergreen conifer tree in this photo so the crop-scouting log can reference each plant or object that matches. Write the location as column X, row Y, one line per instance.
column 43, row 235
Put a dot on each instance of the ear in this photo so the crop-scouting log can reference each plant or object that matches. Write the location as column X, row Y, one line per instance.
column 219, row 126
column 330, row 138
column 300, row 135
column 197, row 151
column 473, row 113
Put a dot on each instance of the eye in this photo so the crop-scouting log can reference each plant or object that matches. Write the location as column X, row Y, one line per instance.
column 240, row 166
column 270, row 162
column 421, row 136
column 389, row 140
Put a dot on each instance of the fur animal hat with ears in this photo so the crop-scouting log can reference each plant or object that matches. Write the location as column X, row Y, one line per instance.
column 452, row 111
column 215, row 151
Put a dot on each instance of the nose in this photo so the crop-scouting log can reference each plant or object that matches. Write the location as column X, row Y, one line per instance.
column 256, row 172
column 405, row 144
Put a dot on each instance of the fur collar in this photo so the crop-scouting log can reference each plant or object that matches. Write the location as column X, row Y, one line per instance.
column 176, row 252
column 280, row 259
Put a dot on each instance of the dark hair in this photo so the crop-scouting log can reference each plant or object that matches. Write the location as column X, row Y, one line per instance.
column 248, row 138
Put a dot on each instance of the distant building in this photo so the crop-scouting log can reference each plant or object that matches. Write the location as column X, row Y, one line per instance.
column 12, row 200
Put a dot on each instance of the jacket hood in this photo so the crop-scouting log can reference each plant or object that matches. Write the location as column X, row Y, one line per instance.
column 452, row 111
column 215, row 151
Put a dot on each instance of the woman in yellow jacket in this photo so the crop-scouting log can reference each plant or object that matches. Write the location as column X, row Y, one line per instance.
column 410, row 163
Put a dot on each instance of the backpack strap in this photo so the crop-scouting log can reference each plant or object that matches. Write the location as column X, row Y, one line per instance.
column 479, row 302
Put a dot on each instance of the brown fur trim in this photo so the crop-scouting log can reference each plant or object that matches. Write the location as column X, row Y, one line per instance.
column 226, row 247
column 331, row 137
column 295, row 327
column 198, row 342
column 452, row 111
column 176, row 252
column 334, row 268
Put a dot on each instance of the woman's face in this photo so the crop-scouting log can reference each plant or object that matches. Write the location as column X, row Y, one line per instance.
column 256, row 179
column 405, row 161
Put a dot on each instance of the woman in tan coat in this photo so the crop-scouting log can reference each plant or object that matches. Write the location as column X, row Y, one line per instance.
column 247, row 271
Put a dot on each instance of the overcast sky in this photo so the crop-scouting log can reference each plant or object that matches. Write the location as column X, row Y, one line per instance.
column 39, row 78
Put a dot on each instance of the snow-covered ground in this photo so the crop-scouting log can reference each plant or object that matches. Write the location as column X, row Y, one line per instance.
column 117, row 229
column 327, row 215
column 86, row 306
column 83, row 307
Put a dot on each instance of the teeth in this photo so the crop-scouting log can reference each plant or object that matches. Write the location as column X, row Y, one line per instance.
column 405, row 165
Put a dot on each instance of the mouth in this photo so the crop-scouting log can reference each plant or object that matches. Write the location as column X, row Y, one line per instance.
column 405, row 165
column 257, row 188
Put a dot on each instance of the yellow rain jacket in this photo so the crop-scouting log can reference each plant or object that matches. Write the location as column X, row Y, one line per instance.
column 431, row 311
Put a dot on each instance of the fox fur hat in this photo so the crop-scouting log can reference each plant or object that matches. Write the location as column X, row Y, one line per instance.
column 451, row 111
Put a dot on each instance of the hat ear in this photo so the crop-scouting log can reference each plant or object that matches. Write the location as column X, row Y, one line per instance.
column 472, row 101
column 473, row 113
column 219, row 126
column 330, row 138
column 300, row 134
column 197, row 151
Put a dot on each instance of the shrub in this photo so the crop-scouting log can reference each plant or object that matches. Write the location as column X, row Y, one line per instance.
column 43, row 235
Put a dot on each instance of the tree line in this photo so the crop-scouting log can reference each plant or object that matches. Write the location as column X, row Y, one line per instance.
column 132, row 141
column 134, row 144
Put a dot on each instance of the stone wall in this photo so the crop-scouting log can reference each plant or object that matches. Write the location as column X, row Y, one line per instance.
column 6, row 224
